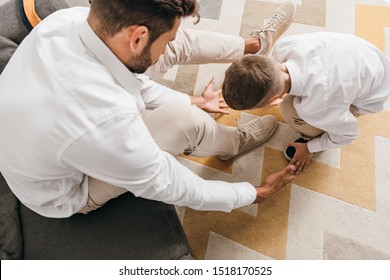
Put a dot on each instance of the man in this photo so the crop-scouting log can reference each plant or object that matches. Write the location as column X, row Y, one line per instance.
column 75, row 130
column 13, row 29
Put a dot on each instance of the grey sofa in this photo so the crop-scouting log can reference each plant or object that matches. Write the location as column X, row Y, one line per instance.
column 125, row 228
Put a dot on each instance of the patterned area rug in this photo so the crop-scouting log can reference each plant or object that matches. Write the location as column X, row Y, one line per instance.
column 340, row 207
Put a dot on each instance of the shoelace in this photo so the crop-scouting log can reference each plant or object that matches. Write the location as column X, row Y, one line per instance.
column 251, row 128
column 270, row 26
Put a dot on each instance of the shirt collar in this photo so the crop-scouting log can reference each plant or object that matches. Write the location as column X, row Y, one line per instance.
column 94, row 44
column 296, row 78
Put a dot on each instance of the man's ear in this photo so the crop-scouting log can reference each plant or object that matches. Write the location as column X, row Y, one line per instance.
column 274, row 101
column 138, row 38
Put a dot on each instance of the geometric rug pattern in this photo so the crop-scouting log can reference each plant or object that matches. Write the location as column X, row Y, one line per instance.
column 339, row 208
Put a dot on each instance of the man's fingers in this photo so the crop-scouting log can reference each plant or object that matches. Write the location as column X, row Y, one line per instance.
column 292, row 167
column 289, row 169
column 224, row 112
column 289, row 178
column 211, row 83
column 289, row 173
column 223, row 105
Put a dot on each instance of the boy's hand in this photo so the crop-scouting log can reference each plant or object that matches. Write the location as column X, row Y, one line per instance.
column 301, row 157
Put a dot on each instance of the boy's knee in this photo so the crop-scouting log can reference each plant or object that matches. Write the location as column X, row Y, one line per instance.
column 287, row 109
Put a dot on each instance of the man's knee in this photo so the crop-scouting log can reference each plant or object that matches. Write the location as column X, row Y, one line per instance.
column 192, row 117
column 178, row 127
column 182, row 117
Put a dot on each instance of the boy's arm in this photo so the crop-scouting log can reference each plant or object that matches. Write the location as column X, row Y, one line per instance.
column 339, row 125
column 330, row 140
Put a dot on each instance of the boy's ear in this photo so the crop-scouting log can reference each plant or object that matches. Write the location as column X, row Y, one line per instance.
column 138, row 38
column 274, row 101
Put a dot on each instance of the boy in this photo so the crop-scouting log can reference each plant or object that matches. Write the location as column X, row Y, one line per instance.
column 330, row 78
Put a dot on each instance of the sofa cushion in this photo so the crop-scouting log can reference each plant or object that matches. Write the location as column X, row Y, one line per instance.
column 11, row 245
column 12, row 29
column 7, row 49
column 124, row 228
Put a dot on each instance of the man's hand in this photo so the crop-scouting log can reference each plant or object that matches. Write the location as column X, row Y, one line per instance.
column 210, row 100
column 274, row 182
column 301, row 157
column 208, row 93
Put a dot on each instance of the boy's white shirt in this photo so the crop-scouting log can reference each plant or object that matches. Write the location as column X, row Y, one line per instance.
column 329, row 72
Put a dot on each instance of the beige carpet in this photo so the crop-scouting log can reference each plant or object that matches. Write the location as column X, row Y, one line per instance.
column 340, row 207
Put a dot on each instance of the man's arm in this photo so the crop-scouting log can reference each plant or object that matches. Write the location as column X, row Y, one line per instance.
column 273, row 183
column 122, row 153
column 155, row 95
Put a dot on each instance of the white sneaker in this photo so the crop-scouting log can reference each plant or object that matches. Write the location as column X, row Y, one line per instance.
column 253, row 133
column 276, row 25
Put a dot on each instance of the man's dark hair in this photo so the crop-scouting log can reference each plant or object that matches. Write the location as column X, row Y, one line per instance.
column 249, row 82
column 157, row 15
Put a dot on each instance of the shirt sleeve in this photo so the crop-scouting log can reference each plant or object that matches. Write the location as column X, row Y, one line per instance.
column 121, row 152
column 155, row 95
column 340, row 132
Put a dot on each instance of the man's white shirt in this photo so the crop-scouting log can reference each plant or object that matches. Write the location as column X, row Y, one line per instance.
column 73, row 110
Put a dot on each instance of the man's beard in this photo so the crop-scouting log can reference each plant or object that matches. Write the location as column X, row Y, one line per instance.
column 140, row 63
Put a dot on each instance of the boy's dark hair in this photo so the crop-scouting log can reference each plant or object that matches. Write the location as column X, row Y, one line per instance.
column 249, row 82
column 157, row 15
